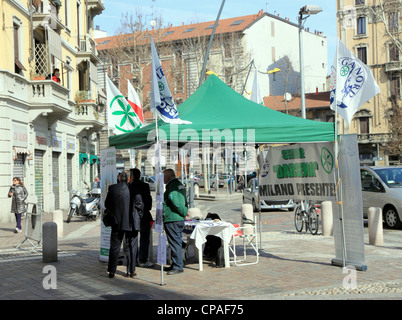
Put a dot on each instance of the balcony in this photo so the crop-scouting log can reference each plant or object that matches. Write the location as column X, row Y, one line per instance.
column 47, row 13
column 88, row 116
column 42, row 98
column 374, row 137
column 96, row 6
column 48, row 98
column 393, row 66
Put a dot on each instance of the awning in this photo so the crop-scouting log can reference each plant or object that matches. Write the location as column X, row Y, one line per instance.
column 20, row 150
column 83, row 157
column 56, row 3
column 54, row 42
column 93, row 158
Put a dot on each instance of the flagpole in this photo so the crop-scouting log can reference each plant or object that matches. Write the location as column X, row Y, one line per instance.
column 337, row 175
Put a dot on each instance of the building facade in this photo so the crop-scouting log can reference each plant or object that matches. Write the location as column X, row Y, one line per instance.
column 48, row 126
column 371, row 30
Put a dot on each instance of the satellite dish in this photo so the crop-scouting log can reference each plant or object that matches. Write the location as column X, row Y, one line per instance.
column 153, row 23
column 287, row 96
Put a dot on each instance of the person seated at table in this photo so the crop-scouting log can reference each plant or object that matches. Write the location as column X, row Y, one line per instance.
column 213, row 242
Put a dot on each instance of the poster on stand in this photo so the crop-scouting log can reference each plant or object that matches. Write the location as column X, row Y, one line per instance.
column 108, row 176
column 158, row 190
column 348, row 218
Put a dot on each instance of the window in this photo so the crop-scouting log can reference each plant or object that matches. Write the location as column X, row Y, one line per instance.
column 393, row 52
column 18, row 67
column 362, row 54
column 395, row 86
column 179, row 82
column 168, row 33
column 359, row 2
column 393, row 21
column 229, row 76
column 189, row 30
column 364, row 125
column 227, row 50
column 236, row 23
column 67, row 13
column 361, row 25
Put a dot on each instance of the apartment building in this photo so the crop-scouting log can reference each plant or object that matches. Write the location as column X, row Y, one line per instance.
column 48, row 131
column 371, row 29
column 261, row 42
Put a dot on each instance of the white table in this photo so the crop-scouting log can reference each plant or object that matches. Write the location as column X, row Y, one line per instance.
column 203, row 228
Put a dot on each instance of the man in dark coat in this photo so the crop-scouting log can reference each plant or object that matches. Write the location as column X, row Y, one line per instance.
column 126, row 224
column 139, row 187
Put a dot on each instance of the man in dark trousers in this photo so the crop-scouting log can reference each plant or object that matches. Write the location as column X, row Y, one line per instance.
column 126, row 224
column 139, row 187
column 175, row 209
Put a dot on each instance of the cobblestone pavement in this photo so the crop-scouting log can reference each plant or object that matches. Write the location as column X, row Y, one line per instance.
column 292, row 266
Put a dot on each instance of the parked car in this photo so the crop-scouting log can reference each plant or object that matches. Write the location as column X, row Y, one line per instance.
column 382, row 187
column 151, row 180
column 221, row 180
column 199, row 180
column 250, row 195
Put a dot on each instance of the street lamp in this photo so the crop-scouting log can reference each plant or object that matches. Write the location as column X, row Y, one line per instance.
column 306, row 10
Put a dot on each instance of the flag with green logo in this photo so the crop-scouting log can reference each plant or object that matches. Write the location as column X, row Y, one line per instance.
column 162, row 103
column 121, row 116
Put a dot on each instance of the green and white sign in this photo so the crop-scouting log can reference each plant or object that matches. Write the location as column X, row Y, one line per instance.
column 299, row 172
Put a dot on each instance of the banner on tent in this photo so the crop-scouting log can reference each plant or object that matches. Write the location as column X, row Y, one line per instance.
column 298, row 171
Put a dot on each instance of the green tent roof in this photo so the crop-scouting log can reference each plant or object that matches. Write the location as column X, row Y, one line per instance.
column 220, row 114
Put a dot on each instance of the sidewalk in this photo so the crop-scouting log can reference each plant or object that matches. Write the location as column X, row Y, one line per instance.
column 292, row 266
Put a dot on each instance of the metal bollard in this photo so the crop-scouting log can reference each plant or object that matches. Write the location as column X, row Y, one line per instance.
column 58, row 219
column 375, row 226
column 327, row 218
column 49, row 248
column 196, row 190
column 247, row 213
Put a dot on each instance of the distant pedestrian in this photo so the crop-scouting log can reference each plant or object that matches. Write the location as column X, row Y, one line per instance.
column 19, row 194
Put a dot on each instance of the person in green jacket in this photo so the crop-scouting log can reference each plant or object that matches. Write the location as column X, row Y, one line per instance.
column 175, row 209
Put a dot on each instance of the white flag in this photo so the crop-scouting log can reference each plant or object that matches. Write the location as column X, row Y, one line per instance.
column 134, row 101
column 256, row 95
column 352, row 83
column 162, row 103
column 121, row 117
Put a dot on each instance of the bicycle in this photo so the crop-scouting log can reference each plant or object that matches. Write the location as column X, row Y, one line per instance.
column 306, row 215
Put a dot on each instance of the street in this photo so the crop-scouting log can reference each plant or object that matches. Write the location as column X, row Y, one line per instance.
column 284, row 252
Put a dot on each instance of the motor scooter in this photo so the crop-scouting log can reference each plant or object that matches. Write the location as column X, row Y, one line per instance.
column 85, row 205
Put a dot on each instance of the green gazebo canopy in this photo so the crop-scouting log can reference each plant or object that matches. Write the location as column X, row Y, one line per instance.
column 219, row 114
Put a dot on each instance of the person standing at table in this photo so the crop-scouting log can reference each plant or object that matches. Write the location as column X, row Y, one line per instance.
column 139, row 187
column 175, row 209
column 126, row 224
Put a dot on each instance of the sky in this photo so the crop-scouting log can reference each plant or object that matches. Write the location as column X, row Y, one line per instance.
column 178, row 11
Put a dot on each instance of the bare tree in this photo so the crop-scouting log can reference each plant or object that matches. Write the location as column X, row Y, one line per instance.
column 389, row 12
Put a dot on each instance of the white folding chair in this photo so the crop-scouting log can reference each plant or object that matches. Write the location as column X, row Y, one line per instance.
column 246, row 239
